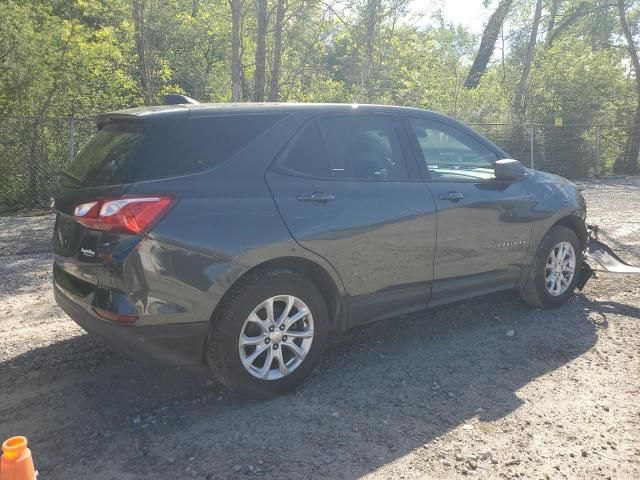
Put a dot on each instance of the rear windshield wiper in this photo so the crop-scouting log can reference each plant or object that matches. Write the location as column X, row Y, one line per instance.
column 76, row 180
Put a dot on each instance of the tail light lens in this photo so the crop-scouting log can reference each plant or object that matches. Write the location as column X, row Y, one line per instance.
column 135, row 214
column 114, row 317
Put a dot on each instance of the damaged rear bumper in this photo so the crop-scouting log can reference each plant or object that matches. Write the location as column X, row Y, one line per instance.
column 602, row 254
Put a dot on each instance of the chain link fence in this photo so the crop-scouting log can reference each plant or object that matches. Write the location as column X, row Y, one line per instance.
column 573, row 151
column 34, row 149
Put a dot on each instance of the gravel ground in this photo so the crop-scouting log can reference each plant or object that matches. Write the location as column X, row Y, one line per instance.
column 489, row 388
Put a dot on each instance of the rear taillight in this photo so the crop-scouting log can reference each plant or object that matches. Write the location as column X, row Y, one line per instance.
column 134, row 214
column 114, row 317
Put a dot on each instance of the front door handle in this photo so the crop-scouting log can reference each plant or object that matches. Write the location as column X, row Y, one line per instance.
column 319, row 197
column 453, row 196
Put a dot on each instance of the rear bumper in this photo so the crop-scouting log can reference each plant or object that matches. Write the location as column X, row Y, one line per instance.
column 175, row 344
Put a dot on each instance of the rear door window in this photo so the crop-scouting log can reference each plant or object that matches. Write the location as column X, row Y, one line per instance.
column 126, row 151
column 355, row 147
column 363, row 147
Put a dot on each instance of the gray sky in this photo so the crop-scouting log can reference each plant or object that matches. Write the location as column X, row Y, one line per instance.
column 469, row 13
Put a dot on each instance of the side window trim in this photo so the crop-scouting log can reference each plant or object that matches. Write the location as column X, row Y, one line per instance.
column 422, row 165
column 411, row 161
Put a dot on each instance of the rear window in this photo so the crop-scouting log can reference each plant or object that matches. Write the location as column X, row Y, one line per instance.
column 126, row 151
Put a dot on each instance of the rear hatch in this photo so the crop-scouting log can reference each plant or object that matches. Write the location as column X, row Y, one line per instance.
column 140, row 145
column 126, row 149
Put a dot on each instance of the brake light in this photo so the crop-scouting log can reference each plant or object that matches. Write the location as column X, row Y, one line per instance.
column 134, row 214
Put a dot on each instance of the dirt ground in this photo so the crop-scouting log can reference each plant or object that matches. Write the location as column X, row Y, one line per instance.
column 488, row 388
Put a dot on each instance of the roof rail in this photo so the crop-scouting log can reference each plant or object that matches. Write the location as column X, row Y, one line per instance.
column 177, row 99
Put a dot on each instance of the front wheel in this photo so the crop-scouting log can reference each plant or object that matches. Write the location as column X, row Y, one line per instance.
column 269, row 334
column 554, row 273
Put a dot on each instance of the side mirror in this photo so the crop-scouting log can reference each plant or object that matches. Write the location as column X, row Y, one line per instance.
column 509, row 169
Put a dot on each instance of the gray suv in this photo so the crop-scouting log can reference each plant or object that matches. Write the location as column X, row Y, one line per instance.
column 238, row 237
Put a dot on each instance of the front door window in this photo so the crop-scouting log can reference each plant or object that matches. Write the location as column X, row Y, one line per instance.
column 451, row 155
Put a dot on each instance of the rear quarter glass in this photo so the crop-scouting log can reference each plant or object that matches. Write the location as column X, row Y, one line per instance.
column 134, row 150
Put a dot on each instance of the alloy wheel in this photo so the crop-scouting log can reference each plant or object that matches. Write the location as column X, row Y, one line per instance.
column 560, row 268
column 276, row 337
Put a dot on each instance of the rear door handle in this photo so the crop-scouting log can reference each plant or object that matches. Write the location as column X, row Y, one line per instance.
column 319, row 197
column 453, row 196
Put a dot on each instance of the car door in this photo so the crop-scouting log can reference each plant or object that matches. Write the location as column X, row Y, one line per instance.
column 484, row 224
column 344, row 191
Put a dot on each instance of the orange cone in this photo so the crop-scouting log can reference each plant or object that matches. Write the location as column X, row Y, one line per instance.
column 16, row 462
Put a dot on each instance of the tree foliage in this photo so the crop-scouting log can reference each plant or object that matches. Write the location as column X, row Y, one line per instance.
column 80, row 57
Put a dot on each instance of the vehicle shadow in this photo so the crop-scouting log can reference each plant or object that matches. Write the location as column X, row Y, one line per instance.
column 380, row 392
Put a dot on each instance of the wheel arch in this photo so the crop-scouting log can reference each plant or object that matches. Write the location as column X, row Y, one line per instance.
column 569, row 219
column 574, row 223
column 527, row 287
column 320, row 277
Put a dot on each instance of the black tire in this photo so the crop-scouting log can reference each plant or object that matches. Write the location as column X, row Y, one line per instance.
column 222, row 344
column 533, row 289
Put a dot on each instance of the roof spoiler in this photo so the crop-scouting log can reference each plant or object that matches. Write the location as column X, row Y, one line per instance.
column 103, row 119
column 177, row 99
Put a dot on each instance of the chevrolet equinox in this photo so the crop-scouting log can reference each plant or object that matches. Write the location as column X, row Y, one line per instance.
column 237, row 237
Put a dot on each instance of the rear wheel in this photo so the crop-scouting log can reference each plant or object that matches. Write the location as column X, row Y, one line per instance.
column 269, row 334
column 553, row 276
